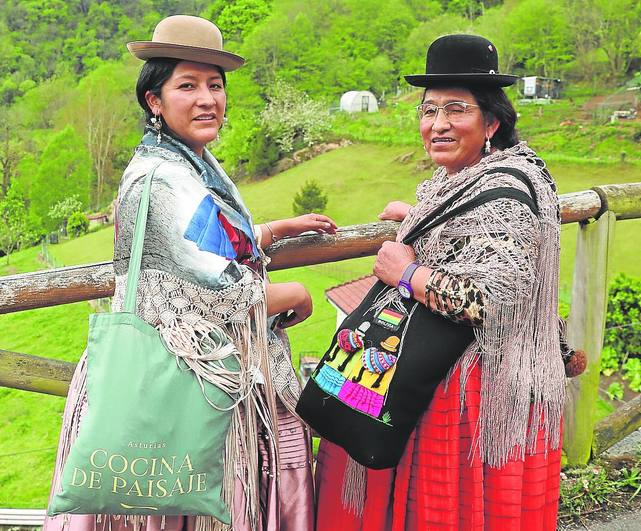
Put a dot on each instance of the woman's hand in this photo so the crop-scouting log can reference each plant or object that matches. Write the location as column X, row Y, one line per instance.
column 391, row 261
column 295, row 226
column 306, row 222
column 290, row 297
column 395, row 211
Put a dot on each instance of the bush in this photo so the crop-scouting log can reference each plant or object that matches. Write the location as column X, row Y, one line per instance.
column 77, row 224
column 60, row 212
column 623, row 321
column 311, row 198
column 263, row 155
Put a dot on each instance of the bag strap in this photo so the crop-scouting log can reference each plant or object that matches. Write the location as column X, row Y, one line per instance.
column 518, row 174
column 138, row 240
column 501, row 192
column 419, row 229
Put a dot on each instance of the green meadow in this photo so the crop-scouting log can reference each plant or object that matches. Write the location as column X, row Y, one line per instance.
column 359, row 180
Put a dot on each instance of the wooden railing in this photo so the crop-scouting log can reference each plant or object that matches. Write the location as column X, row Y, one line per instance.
column 595, row 210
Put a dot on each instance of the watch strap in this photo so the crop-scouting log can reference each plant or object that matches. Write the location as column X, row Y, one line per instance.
column 409, row 272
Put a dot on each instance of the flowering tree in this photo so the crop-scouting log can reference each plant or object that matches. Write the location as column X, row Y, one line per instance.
column 291, row 116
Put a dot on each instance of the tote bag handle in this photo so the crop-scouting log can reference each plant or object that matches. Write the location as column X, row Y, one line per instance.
column 135, row 256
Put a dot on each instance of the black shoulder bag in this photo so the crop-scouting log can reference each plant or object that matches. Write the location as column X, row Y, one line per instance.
column 382, row 368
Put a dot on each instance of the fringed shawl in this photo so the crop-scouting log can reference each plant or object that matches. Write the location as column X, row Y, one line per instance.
column 513, row 257
column 204, row 304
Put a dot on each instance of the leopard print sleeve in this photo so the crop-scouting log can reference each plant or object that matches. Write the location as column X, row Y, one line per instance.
column 458, row 299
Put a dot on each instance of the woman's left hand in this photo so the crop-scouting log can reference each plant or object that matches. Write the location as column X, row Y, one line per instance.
column 391, row 261
column 307, row 222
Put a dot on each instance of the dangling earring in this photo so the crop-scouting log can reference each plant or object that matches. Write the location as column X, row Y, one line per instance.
column 223, row 123
column 156, row 123
column 488, row 146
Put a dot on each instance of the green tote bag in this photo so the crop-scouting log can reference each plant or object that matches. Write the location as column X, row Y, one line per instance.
column 150, row 443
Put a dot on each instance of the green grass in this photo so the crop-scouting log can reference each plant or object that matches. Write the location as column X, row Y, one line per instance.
column 30, row 422
column 94, row 247
column 22, row 262
column 359, row 181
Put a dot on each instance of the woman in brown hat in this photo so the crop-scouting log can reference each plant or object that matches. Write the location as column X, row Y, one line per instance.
column 486, row 454
column 203, row 270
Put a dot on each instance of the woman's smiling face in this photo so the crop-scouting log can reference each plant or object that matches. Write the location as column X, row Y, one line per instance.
column 456, row 141
column 192, row 103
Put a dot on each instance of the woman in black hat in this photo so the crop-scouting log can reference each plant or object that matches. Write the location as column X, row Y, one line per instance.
column 486, row 454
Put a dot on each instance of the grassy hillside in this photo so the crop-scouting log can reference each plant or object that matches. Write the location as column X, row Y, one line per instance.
column 569, row 129
column 359, row 181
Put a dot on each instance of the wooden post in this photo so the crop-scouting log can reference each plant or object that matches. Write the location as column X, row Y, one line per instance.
column 586, row 326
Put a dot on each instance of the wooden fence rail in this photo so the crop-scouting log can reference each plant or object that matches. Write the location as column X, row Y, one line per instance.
column 596, row 210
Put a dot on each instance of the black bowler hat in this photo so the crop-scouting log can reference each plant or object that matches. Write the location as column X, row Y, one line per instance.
column 461, row 60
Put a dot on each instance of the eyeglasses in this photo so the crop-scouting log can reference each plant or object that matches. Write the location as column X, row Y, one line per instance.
column 454, row 110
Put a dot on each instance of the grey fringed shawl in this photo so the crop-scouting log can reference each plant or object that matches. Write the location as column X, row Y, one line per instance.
column 513, row 257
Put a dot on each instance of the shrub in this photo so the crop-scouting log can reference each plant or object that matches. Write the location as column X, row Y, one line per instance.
column 623, row 321
column 310, row 198
column 263, row 155
column 60, row 212
column 632, row 373
column 615, row 391
column 77, row 224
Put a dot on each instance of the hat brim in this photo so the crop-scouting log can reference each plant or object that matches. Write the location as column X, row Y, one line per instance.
column 481, row 79
column 150, row 50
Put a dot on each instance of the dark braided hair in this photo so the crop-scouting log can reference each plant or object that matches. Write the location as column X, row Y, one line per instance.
column 495, row 104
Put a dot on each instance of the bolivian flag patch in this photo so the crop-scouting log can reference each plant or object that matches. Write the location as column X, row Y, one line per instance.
column 390, row 319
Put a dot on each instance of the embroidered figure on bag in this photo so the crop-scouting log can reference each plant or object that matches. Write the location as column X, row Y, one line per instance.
column 377, row 361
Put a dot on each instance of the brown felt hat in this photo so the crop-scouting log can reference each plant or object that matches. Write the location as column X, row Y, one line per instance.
column 187, row 38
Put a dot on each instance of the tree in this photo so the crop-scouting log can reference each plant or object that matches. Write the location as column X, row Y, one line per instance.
column 584, row 18
column 422, row 35
column 77, row 224
column 237, row 19
column 619, row 33
column 292, row 117
column 101, row 111
column 14, row 229
column 543, row 47
column 61, row 212
column 64, row 170
column 10, row 148
column 492, row 26
column 310, row 198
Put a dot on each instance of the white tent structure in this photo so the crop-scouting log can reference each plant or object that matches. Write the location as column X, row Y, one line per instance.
column 359, row 101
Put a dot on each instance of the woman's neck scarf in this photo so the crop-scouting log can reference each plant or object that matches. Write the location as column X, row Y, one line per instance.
column 213, row 176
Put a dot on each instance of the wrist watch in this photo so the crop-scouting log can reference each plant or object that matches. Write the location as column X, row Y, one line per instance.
column 404, row 286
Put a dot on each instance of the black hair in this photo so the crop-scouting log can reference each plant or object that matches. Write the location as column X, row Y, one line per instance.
column 495, row 105
column 153, row 75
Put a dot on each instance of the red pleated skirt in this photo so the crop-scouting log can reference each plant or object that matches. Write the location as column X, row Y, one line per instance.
column 439, row 485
